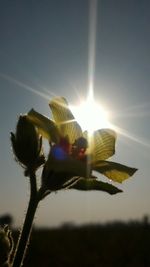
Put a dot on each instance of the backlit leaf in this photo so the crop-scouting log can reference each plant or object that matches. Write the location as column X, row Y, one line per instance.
column 114, row 171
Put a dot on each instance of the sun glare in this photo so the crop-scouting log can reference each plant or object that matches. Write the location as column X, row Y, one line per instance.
column 90, row 115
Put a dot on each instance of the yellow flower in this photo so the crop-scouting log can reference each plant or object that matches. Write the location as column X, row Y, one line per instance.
column 73, row 156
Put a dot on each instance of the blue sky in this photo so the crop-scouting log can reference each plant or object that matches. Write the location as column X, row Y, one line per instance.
column 44, row 51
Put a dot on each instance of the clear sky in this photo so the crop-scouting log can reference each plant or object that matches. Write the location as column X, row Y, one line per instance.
column 44, row 51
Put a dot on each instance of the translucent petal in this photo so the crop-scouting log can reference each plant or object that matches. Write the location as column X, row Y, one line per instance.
column 64, row 119
column 102, row 144
column 114, row 171
column 47, row 128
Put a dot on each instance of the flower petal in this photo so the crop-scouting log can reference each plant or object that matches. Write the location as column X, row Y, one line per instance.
column 102, row 144
column 47, row 128
column 64, row 119
column 93, row 184
column 114, row 171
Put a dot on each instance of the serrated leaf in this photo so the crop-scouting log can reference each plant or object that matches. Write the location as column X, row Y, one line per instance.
column 47, row 128
column 64, row 119
column 93, row 184
column 114, row 171
column 102, row 144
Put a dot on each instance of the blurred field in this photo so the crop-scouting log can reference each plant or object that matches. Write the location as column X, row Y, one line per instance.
column 115, row 244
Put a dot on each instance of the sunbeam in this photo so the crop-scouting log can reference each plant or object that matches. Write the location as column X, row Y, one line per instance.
column 90, row 114
column 27, row 87
column 135, row 111
column 130, row 136
column 92, row 43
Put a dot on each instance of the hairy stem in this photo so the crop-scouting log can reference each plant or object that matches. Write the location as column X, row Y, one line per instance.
column 27, row 227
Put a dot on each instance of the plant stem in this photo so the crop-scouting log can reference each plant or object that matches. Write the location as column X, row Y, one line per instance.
column 27, row 227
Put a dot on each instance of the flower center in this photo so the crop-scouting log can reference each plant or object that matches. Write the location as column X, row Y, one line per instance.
column 64, row 149
column 79, row 148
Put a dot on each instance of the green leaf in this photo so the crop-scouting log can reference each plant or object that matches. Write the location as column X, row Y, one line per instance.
column 114, row 171
column 47, row 128
column 103, row 144
column 93, row 184
column 64, row 119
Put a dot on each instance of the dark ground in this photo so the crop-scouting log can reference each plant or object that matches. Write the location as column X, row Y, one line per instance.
column 116, row 244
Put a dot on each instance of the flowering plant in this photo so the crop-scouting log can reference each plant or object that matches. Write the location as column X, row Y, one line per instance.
column 74, row 158
column 74, row 155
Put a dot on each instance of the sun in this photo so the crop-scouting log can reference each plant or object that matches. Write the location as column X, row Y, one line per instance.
column 91, row 115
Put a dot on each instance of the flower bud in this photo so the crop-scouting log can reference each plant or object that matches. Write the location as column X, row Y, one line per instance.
column 6, row 246
column 27, row 144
